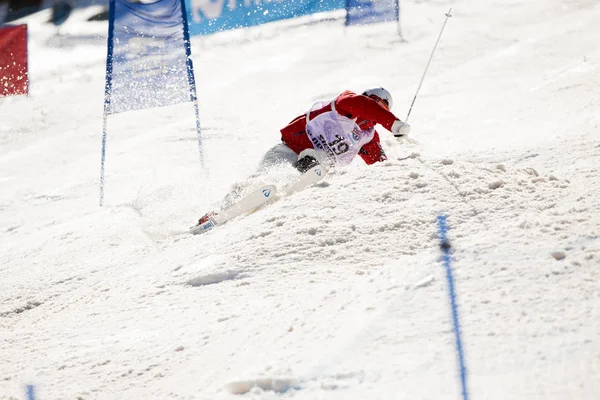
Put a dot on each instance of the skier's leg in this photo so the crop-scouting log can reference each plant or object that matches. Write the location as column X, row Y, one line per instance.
column 280, row 154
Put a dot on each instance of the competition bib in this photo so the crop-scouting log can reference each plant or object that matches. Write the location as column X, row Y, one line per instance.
column 338, row 138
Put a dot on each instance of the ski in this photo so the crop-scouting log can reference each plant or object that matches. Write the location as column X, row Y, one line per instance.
column 259, row 197
column 247, row 204
column 312, row 176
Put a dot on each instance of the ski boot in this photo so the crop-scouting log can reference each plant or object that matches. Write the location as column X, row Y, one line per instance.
column 207, row 217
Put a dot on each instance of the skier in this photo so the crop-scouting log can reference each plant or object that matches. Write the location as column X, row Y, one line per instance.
column 334, row 133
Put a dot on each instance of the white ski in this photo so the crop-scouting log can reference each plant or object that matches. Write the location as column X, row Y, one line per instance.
column 247, row 204
column 259, row 197
column 313, row 175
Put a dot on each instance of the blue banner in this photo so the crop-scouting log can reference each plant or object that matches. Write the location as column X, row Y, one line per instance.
column 147, row 63
column 209, row 16
column 363, row 12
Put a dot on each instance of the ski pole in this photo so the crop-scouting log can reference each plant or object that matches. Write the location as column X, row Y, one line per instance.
column 448, row 15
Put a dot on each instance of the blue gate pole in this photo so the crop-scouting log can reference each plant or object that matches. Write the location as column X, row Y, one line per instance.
column 445, row 246
column 191, row 79
column 107, row 92
column 30, row 392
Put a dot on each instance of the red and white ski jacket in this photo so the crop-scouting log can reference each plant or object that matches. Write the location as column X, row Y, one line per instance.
column 367, row 112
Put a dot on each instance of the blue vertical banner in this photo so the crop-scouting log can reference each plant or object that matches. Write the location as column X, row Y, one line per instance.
column 148, row 61
column 364, row 12
column 147, row 50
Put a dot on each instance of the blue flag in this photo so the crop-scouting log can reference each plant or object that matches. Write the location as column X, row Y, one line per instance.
column 148, row 62
column 363, row 12
column 148, row 49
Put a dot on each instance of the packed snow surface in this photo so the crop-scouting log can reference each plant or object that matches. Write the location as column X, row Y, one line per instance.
column 337, row 291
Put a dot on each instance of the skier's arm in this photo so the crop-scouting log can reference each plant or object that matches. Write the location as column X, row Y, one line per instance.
column 372, row 151
column 366, row 107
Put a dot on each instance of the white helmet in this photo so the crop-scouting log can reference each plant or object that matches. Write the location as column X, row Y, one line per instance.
column 382, row 94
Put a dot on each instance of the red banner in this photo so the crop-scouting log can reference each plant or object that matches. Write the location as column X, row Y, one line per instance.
column 13, row 60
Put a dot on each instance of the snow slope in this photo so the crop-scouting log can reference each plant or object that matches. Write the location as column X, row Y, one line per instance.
column 336, row 292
